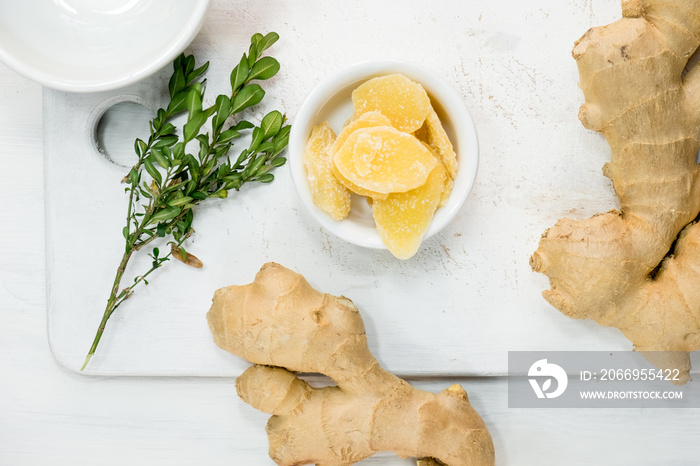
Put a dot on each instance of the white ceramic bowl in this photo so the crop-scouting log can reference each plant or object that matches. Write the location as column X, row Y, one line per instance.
column 331, row 101
column 95, row 45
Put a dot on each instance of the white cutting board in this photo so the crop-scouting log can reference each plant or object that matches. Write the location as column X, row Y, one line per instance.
column 459, row 305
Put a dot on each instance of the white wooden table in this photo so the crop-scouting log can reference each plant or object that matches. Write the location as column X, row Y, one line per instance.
column 50, row 415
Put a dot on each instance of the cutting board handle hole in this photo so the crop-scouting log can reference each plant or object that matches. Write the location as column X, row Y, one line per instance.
column 116, row 124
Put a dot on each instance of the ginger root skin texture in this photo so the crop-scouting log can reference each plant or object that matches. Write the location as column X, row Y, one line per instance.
column 638, row 268
column 284, row 326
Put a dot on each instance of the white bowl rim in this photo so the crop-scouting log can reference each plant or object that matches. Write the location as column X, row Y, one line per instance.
column 192, row 27
column 452, row 104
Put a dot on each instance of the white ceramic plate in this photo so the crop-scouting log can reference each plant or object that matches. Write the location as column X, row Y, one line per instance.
column 95, row 45
column 331, row 101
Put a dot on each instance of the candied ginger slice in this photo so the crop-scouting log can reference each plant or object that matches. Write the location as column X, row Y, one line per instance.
column 327, row 193
column 384, row 160
column 402, row 219
column 422, row 133
column 356, row 189
column 449, row 182
column 437, row 138
column 366, row 120
column 404, row 102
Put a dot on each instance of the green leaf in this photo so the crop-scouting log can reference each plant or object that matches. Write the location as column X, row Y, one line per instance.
column 165, row 214
column 247, row 97
column 279, row 146
column 221, row 150
column 125, row 232
column 194, row 166
column 194, row 100
column 267, row 41
column 253, row 55
column 162, row 154
column 192, row 127
column 242, row 157
column 223, row 170
column 281, row 140
column 167, row 129
column 160, row 230
column 257, row 139
column 256, row 38
column 156, row 251
column 203, row 140
column 267, row 147
column 177, row 63
column 190, row 186
column 234, row 185
column 166, row 141
column 189, row 64
column 271, row 124
column 266, row 178
column 133, row 176
column 265, row 68
column 177, row 82
column 160, row 119
column 235, row 176
column 239, row 73
column 179, row 150
column 283, row 132
column 259, row 162
column 203, row 146
column 223, row 110
column 178, row 103
column 189, row 216
column 228, row 135
column 198, row 72
column 243, row 124
column 199, row 195
column 143, row 147
column 180, row 201
column 153, row 171
column 209, row 166
column 278, row 162
column 137, row 147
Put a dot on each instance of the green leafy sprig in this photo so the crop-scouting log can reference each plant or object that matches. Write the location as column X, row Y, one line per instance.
column 169, row 178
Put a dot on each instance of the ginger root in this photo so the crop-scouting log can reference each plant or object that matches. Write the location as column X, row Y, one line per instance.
column 638, row 269
column 283, row 325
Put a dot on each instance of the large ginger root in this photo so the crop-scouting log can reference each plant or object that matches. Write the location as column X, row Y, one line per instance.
column 283, row 325
column 622, row 268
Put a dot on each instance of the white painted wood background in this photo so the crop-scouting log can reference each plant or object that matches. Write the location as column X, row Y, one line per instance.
column 469, row 287
column 49, row 415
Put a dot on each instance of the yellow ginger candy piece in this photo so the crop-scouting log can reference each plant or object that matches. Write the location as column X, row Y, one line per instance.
column 422, row 133
column 403, row 101
column 366, row 120
column 327, row 192
column 402, row 219
column 354, row 188
column 449, row 182
column 384, row 160
column 437, row 138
